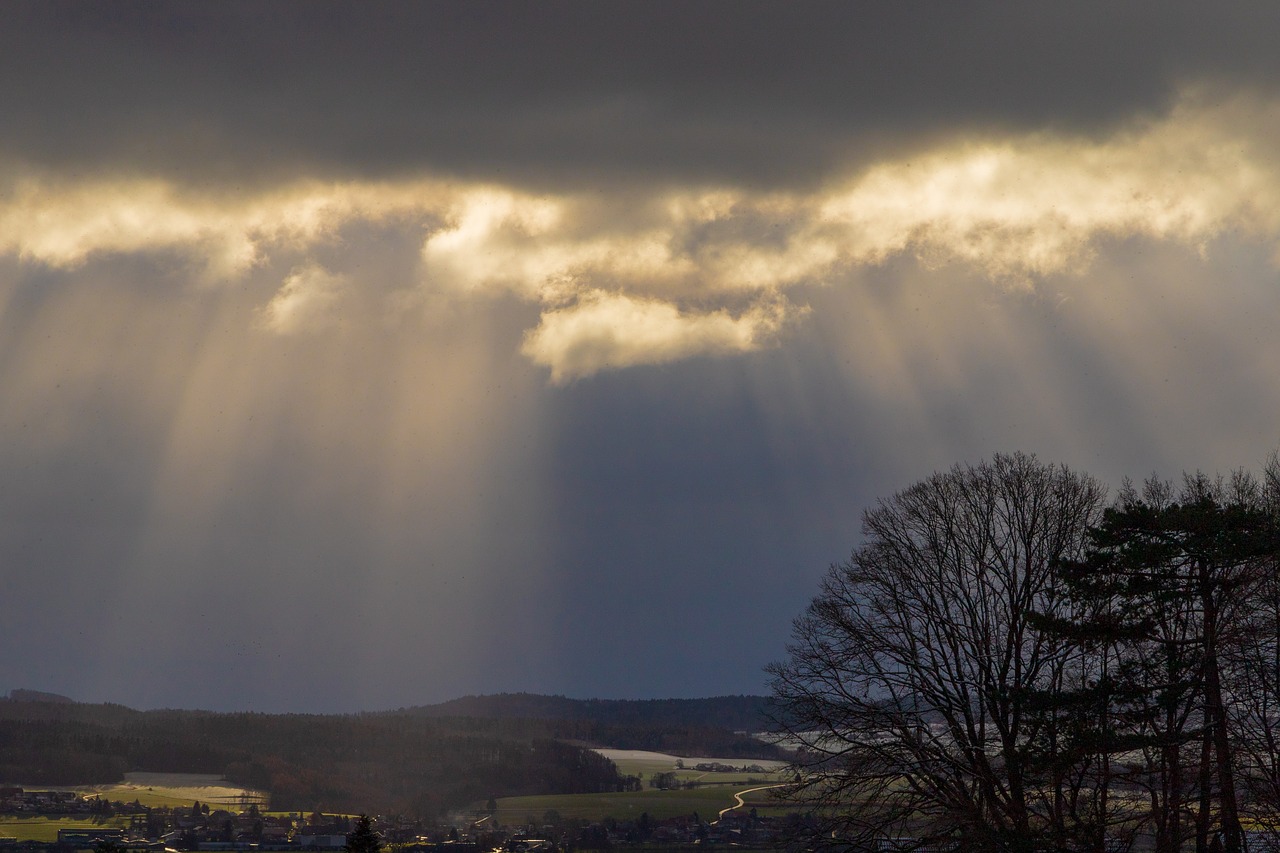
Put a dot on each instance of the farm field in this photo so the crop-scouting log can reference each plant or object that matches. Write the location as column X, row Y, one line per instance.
column 660, row 805
column 45, row 829
column 636, row 762
column 175, row 789
column 707, row 802
column 665, row 761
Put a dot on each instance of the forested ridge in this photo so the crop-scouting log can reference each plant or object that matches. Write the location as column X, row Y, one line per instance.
column 735, row 713
column 715, row 726
column 401, row 761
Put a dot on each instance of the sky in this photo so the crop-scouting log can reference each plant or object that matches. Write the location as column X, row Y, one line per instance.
column 356, row 356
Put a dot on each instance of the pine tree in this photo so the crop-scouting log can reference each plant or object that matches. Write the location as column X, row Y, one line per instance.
column 1163, row 594
column 363, row 839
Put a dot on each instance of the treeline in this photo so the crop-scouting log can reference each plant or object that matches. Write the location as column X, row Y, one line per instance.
column 60, row 752
column 717, row 726
column 1009, row 663
column 409, row 761
column 734, row 713
column 676, row 739
column 389, row 763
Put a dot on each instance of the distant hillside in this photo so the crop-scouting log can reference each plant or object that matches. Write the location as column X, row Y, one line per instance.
column 366, row 762
column 20, row 695
column 732, row 713
column 421, row 761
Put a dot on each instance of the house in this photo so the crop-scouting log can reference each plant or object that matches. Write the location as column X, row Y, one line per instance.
column 89, row 836
column 321, row 842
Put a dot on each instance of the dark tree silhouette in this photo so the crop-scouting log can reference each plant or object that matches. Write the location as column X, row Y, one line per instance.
column 1001, row 666
column 1179, row 585
column 912, row 676
column 363, row 838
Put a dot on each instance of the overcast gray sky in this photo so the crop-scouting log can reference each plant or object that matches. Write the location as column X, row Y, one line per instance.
column 355, row 356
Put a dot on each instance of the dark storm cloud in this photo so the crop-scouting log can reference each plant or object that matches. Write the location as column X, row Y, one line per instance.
column 580, row 92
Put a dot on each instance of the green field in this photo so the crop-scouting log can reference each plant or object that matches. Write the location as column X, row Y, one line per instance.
column 175, row 789
column 645, row 764
column 715, row 792
column 707, row 802
column 646, row 769
column 171, row 790
column 46, row 828
column 660, row 805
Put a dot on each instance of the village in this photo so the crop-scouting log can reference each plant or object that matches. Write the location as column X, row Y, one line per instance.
column 114, row 827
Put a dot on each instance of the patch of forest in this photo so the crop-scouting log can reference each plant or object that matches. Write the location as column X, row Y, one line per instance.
column 734, row 713
column 406, row 762
column 715, row 726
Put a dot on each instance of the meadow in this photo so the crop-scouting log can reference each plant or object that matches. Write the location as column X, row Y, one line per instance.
column 635, row 762
column 714, row 792
column 171, row 790
column 45, row 829
column 150, row 789
column 660, row 805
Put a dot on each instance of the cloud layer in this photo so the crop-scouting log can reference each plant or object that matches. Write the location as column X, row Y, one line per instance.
column 613, row 331
column 652, row 93
column 647, row 278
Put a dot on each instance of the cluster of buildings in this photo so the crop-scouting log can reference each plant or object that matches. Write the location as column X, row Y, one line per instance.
column 718, row 767
column 208, row 828
column 157, row 829
column 14, row 800
column 737, row 829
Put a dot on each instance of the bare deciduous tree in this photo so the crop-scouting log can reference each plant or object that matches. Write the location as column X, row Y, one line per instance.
column 914, row 678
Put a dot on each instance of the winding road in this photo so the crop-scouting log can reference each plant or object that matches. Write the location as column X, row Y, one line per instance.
column 741, row 802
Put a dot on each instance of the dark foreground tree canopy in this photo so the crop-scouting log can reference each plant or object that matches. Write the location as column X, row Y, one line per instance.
column 1007, row 664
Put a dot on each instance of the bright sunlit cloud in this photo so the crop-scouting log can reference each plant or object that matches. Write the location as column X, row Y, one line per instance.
column 605, row 330
column 307, row 301
column 657, row 278
column 1039, row 205
column 63, row 224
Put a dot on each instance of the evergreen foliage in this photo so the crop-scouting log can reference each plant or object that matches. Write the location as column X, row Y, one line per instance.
column 363, row 838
